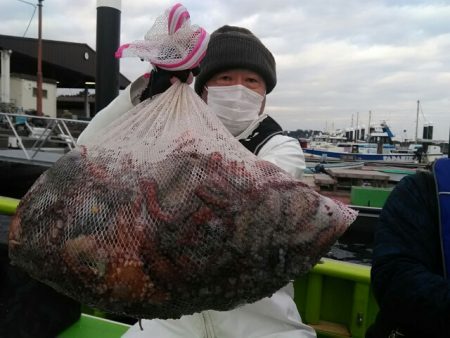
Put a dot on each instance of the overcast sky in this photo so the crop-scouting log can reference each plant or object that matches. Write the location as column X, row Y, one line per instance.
column 335, row 58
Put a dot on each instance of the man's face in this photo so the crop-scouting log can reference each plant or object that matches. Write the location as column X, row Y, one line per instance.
column 243, row 77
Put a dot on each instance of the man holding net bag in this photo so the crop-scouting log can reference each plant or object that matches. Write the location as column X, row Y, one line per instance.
column 174, row 218
column 240, row 71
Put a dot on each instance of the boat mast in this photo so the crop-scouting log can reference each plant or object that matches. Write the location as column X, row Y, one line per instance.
column 351, row 131
column 417, row 119
column 368, row 126
column 357, row 127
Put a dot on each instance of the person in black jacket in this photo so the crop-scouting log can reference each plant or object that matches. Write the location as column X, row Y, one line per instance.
column 407, row 269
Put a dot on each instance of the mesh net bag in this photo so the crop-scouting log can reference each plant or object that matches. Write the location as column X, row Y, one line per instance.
column 167, row 214
column 172, row 43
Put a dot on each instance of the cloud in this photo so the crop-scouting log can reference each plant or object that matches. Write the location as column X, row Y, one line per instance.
column 335, row 58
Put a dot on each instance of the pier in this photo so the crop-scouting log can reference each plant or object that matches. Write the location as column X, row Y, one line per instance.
column 36, row 140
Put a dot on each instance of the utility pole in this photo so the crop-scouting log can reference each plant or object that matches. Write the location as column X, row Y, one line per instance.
column 39, row 62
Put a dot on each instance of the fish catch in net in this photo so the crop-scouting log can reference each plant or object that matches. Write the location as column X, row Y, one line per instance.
column 167, row 214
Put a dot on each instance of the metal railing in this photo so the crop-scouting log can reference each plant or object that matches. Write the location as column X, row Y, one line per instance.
column 42, row 130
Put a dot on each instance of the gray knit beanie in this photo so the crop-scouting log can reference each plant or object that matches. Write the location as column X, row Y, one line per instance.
column 235, row 47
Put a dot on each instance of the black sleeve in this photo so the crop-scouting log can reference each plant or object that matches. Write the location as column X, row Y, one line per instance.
column 160, row 81
column 407, row 273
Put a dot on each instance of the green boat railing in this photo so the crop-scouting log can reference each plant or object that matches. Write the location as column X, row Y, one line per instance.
column 8, row 205
column 335, row 298
column 94, row 327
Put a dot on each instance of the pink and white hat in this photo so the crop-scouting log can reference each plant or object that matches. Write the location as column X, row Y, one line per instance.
column 172, row 43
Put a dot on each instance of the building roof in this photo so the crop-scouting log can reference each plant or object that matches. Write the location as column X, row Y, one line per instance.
column 70, row 63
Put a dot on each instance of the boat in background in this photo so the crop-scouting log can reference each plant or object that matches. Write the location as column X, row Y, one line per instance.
column 424, row 152
column 378, row 146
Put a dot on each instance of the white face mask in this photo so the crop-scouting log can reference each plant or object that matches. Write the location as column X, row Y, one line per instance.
column 236, row 106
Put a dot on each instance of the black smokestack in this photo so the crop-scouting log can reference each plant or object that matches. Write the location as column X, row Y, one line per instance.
column 108, row 39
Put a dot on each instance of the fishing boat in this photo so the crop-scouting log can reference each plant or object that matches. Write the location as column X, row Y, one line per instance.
column 378, row 146
column 335, row 298
column 345, row 155
column 424, row 152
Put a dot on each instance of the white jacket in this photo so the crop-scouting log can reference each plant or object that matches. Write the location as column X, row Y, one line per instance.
column 272, row 317
column 284, row 151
